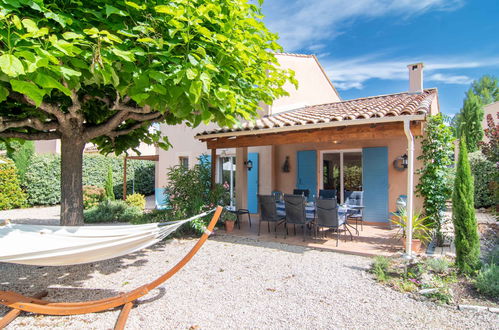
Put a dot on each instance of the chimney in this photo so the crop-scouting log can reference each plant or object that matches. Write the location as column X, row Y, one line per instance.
column 415, row 78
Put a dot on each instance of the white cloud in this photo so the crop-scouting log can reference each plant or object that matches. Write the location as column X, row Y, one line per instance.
column 353, row 73
column 305, row 23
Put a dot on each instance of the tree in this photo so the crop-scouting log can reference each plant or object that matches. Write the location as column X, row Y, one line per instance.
column 470, row 121
column 102, row 71
column 434, row 186
column 108, row 185
column 463, row 215
column 487, row 88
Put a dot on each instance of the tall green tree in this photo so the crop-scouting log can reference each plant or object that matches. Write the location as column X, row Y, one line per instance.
column 467, row 241
column 109, row 185
column 102, row 71
column 437, row 156
column 470, row 121
column 487, row 88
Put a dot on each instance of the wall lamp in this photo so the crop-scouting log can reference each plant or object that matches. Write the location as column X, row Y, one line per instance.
column 249, row 165
column 401, row 163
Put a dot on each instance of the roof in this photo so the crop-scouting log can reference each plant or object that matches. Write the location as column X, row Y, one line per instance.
column 391, row 105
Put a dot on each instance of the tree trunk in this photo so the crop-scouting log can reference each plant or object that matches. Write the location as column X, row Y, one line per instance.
column 71, row 181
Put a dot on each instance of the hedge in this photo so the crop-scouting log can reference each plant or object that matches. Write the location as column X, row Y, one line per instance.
column 42, row 179
column 485, row 177
column 11, row 194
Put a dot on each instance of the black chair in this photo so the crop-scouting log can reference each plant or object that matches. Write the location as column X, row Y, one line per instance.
column 295, row 212
column 268, row 212
column 304, row 192
column 356, row 205
column 327, row 194
column 327, row 216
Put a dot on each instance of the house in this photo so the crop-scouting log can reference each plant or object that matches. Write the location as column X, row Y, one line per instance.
column 313, row 140
column 491, row 113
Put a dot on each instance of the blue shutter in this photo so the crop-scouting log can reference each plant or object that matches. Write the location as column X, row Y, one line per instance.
column 375, row 183
column 253, row 183
column 307, row 171
column 161, row 198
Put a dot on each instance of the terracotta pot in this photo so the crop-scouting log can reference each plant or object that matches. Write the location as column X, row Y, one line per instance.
column 415, row 246
column 229, row 226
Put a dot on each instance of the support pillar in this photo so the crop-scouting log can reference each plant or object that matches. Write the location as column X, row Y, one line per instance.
column 213, row 167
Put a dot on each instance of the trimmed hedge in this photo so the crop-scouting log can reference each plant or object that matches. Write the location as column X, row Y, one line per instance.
column 485, row 176
column 42, row 179
column 11, row 194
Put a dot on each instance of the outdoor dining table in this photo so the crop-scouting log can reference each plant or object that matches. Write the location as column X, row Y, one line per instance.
column 310, row 210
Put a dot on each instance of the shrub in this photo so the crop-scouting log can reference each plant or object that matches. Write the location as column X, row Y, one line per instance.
column 42, row 180
column 137, row 200
column 484, row 175
column 108, row 185
column 493, row 256
column 438, row 265
column 112, row 211
column 11, row 194
column 92, row 196
column 487, row 281
column 380, row 268
column 463, row 215
column 21, row 155
column 154, row 216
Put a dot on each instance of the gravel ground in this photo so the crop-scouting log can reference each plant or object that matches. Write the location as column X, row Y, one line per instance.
column 236, row 283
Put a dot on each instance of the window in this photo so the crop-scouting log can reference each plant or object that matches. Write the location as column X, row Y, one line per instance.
column 184, row 162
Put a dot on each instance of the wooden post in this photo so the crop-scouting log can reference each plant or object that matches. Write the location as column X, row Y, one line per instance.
column 213, row 167
column 124, row 178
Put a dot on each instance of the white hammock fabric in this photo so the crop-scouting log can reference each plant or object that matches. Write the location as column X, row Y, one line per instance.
column 61, row 246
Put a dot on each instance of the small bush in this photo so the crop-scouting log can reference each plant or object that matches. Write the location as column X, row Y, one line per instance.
column 11, row 195
column 137, row 200
column 380, row 268
column 487, row 281
column 438, row 265
column 155, row 216
column 484, row 176
column 493, row 256
column 21, row 155
column 92, row 196
column 112, row 211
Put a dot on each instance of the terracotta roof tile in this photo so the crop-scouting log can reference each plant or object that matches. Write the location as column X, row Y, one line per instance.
column 390, row 105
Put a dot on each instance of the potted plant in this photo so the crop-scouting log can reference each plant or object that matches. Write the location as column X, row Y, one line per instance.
column 229, row 219
column 421, row 229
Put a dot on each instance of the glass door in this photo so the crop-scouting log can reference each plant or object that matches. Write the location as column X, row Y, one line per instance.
column 342, row 172
column 227, row 176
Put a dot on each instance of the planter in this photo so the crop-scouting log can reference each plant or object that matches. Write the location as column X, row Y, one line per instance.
column 229, row 226
column 415, row 246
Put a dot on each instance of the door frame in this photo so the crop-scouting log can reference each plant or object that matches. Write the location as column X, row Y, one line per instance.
column 321, row 168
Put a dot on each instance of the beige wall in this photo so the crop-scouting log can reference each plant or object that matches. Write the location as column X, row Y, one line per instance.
column 48, row 147
column 314, row 87
column 490, row 109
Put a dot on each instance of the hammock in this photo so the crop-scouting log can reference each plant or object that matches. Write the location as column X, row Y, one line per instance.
column 62, row 246
column 35, row 304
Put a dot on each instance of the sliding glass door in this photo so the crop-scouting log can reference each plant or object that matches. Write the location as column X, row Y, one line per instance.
column 342, row 172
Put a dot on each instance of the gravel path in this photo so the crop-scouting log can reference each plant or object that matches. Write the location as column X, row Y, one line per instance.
column 236, row 283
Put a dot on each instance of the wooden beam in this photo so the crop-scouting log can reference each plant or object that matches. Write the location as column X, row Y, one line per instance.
column 326, row 135
column 145, row 157
column 213, row 167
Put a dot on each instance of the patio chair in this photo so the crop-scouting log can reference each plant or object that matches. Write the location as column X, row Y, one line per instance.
column 278, row 195
column 327, row 216
column 356, row 199
column 303, row 192
column 327, row 194
column 268, row 212
column 295, row 212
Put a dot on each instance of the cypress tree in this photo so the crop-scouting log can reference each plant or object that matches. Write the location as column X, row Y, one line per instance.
column 463, row 215
column 470, row 121
column 109, row 185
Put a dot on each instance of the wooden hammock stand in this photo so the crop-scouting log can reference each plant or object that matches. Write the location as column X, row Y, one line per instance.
column 36, row 305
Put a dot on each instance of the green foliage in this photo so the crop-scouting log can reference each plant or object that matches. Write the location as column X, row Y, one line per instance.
column 463, row 215
column 491, row 148
column 108, row 184
column 21, row 155
column 438, row 265
column 137, row 200
column 493, row 255
column 352, row 177
column 487, row 88
column 487, row 280
column 434, row 183
column 421, row 227
column 112, row 211
column 470, row 121
column 42, row 180
column 189, row 192
column 92, row 196
column 188, row 61
column 380, row 268
column 11, row 195
column 484, row 178
column 228, row 216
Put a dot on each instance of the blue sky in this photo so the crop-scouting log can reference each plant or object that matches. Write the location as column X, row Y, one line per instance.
column 365, row 45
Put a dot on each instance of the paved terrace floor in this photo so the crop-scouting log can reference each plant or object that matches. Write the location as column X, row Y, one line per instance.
column 372, row 240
